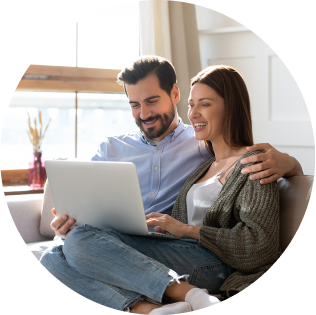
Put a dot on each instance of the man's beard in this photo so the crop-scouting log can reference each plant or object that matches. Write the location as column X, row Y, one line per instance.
column 154, row 132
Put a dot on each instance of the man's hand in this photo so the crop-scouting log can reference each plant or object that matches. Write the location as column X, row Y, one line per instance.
column 61, row 225
column 275, row 164
column 166, row 223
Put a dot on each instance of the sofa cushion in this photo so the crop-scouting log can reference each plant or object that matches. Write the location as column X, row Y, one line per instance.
column 46, row 213
column 26, row 214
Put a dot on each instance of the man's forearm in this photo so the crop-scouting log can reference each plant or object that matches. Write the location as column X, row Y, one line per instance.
column 296, row 170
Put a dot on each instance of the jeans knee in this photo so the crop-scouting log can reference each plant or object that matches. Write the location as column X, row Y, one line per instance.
column 45, row 257
column 73, row 241
column 50, row 258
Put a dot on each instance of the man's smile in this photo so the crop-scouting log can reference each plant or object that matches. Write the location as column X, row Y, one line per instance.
column 150, row 123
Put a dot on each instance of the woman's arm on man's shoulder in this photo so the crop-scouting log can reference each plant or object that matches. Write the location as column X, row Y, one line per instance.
column 274, row 164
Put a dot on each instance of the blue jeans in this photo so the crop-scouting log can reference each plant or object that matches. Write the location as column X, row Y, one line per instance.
column 118, row 270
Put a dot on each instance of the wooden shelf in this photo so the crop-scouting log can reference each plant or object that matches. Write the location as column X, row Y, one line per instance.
column 223, row 30
column 20, row 190
column 70, row 79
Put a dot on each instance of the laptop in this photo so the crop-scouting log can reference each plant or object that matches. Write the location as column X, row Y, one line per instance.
column 101, row 194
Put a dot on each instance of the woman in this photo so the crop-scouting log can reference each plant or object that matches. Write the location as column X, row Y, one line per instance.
column 229, row 224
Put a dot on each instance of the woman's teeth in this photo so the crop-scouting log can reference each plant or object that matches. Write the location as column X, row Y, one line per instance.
column 200, row 125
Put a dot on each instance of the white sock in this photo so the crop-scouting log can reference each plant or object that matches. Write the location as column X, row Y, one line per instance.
column 199, row 298
column 174, row 308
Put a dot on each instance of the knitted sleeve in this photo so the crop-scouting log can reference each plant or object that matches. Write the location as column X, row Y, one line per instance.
column 252, row 240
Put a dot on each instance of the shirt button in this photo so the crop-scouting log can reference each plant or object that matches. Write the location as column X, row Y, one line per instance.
column 152, row 193
column 159, row 148
column 155, row 168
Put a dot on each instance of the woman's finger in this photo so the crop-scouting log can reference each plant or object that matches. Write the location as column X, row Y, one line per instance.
column 160, row 229
column 154, row 215
column 151, row 222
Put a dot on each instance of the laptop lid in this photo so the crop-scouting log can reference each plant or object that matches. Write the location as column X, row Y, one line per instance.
column 103, row 194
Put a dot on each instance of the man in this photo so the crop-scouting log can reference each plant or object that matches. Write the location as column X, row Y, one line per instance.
column 165, row 150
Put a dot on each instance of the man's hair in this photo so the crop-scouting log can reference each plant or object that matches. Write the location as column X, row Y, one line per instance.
column 145, row 66
column 229, row 84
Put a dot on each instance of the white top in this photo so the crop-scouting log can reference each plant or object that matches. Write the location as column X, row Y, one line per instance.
column 201, row 196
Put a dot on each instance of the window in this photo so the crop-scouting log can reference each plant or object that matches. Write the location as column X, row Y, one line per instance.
column 100, row 116
column 102, row 107
column 110, row 43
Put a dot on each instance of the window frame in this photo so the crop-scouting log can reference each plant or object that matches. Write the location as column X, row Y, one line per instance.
column 70, row 79
column 45, row 78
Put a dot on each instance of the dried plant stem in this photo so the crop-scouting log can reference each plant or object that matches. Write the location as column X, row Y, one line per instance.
column 36, row 136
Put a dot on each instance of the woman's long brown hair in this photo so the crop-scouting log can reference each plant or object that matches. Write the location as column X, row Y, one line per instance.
column 228, row 83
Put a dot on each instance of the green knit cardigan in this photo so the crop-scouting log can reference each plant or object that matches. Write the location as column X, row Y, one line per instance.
column 241, row 227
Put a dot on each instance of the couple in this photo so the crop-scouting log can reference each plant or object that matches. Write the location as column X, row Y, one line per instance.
column 227, row 218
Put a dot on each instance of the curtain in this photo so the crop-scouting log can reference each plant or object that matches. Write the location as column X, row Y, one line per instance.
column 169, row 29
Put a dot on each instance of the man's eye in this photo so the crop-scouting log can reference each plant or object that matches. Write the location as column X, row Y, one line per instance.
column 152, row 102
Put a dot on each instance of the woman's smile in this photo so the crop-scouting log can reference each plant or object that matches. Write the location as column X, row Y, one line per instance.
column 206, row 112
column 199, row 126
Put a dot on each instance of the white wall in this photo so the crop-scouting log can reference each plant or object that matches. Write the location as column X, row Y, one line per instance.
column 279, row 113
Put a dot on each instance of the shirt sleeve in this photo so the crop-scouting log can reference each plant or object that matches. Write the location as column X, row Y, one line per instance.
column 253, row 239
column 101, row 153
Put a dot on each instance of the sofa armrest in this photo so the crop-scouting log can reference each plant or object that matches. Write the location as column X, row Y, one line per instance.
column 26, row 214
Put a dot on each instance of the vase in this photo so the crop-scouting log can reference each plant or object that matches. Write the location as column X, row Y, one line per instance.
column 37, row 172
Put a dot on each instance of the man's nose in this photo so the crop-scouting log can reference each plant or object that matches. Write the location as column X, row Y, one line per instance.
column 145, row 112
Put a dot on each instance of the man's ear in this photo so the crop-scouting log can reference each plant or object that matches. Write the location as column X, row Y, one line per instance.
column 175, row 94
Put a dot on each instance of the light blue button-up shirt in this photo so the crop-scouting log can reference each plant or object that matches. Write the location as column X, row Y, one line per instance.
column 162, row 169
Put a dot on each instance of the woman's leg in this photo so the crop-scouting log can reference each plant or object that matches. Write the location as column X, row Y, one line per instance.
column 55, row 262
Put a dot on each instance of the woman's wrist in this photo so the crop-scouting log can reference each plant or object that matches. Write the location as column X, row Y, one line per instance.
column 192, row 231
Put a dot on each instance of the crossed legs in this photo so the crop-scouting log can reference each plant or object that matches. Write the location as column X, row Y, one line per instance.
column 119, row 270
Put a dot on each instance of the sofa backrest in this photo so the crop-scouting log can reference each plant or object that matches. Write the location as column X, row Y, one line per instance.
column 295, row 193
column 46, row 213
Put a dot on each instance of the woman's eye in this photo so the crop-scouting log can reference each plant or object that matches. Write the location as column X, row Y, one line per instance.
column 190, row 105
column 205, row 105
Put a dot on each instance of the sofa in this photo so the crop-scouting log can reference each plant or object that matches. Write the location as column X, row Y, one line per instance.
column 32, row 213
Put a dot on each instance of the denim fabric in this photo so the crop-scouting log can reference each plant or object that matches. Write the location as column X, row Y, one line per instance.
column 117, row 270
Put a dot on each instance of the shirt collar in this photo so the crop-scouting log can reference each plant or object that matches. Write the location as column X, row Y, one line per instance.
column 170, row 136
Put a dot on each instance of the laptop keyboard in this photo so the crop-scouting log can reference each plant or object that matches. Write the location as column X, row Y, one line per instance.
column 162, row 235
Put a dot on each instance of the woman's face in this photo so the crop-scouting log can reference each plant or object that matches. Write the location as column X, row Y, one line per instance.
column 206, row 112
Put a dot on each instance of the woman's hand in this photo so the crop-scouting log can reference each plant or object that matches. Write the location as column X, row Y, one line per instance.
column 166, row 223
